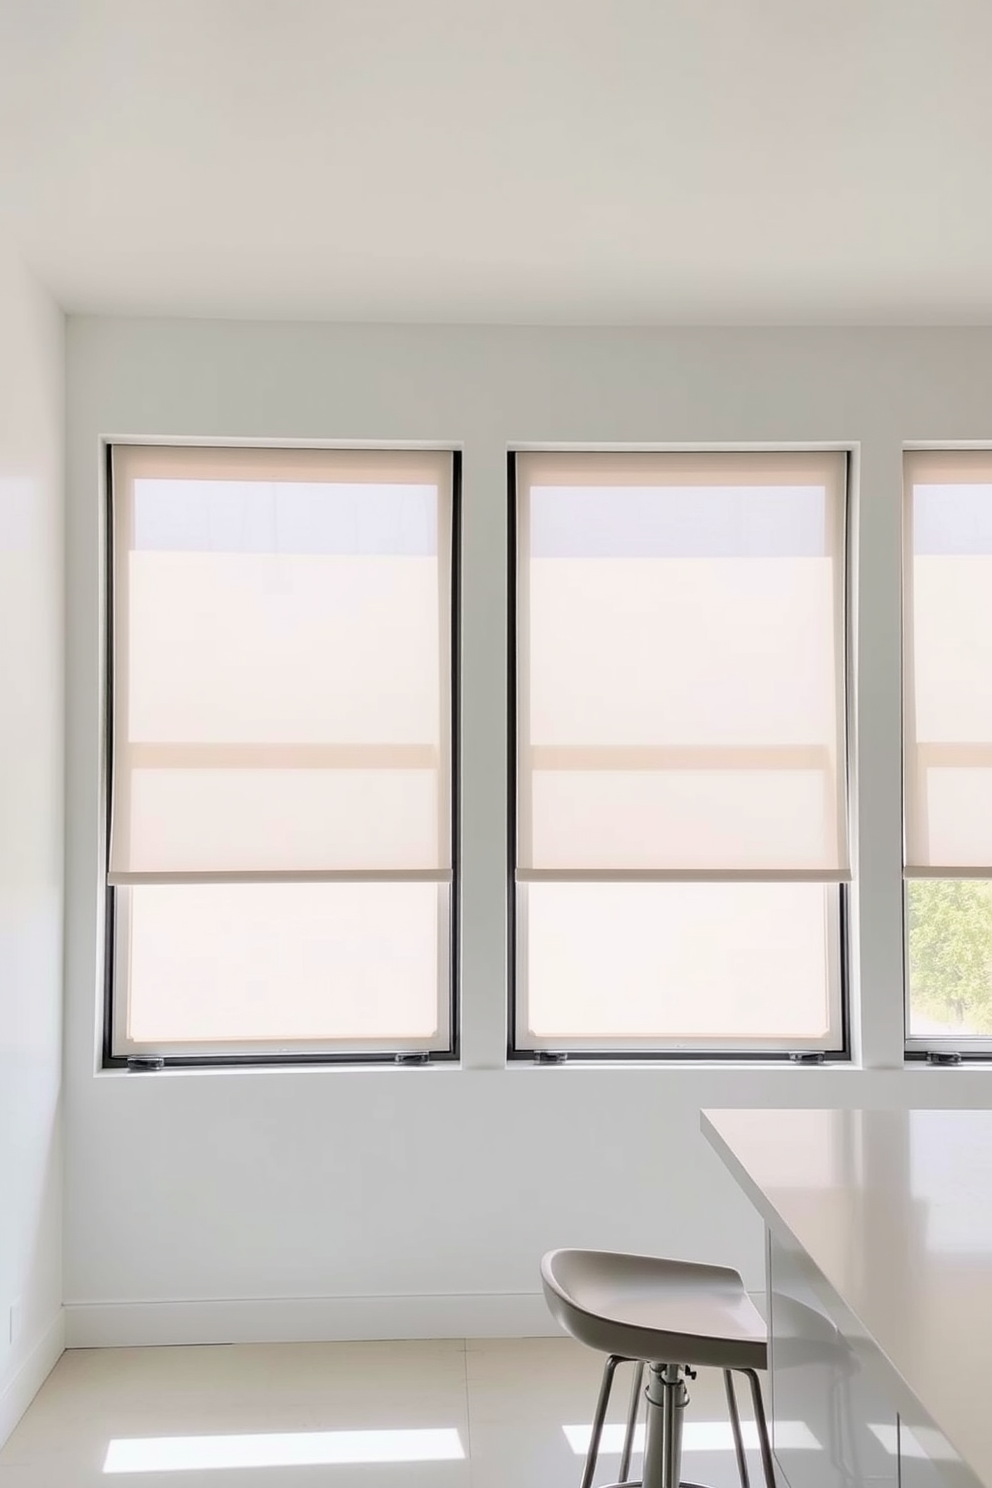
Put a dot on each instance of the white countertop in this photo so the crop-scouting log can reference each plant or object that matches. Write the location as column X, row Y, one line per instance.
column 894, row 1209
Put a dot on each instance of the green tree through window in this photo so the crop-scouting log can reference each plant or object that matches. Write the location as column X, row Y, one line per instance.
column 950, row 953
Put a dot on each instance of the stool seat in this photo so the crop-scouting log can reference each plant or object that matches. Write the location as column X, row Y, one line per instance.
column 661, row 1311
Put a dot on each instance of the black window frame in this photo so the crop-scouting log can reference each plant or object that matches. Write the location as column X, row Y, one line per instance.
column 110, row 1059
column 923, row 1048
column 517, row 1053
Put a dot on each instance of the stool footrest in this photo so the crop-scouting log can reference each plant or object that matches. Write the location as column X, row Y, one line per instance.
column 637, row 1483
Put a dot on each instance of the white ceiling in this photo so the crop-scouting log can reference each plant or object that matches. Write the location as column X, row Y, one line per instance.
column 619, row 161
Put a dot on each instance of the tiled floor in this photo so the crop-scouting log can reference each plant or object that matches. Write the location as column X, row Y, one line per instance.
column 482, row 1414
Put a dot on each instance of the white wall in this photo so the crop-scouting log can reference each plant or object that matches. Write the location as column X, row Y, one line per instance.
column 31, row 821
column 309, row 1202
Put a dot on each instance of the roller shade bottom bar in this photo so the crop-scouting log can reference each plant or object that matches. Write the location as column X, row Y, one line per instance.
column 684, row 875
column 316, row 875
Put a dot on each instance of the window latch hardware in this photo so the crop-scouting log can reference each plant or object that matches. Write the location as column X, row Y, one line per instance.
column 943, row 1056
column 550, row 1056
column 414, row 1059
column 806, row 1056
column 140, row 1064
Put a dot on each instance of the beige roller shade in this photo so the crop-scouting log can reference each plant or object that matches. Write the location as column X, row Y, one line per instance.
column 681, row 666
column 282, row 661
column 948, row 663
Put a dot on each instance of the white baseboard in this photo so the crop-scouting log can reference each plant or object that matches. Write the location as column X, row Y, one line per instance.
column 306, row 1319
column 31, row 1375
column 309, row 1320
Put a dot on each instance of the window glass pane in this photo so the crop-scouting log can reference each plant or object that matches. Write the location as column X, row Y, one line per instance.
column 952, row 520
column 949, row 942
column 690, row 962
column 674, row 521
column 285, row 962
column 260, row 516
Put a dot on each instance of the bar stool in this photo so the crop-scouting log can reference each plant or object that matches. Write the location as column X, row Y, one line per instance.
column 672, row 1317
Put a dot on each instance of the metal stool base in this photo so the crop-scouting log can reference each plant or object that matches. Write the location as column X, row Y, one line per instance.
column 665, row 1468
column 637, row 1483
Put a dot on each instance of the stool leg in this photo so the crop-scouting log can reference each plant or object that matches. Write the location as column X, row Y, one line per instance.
column 632, row 1413
column 768, row 1466
column 592, row 1457
column 735, row 1426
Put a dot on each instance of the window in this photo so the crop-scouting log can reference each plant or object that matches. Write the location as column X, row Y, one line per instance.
column 680, row 776
column 948, row 748
column 281, row 854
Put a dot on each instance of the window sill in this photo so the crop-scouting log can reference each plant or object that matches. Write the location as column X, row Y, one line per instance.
column 201, row 1071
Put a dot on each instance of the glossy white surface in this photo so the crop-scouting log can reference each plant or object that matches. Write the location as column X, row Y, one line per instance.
column 31, row 724
column 821, row 1373
column 893, row 1212
column 483, row 1414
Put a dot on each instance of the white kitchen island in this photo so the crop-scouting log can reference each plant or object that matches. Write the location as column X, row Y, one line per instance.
column 879, row 1228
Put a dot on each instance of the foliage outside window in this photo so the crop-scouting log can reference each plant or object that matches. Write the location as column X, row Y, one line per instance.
column 950, row 957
